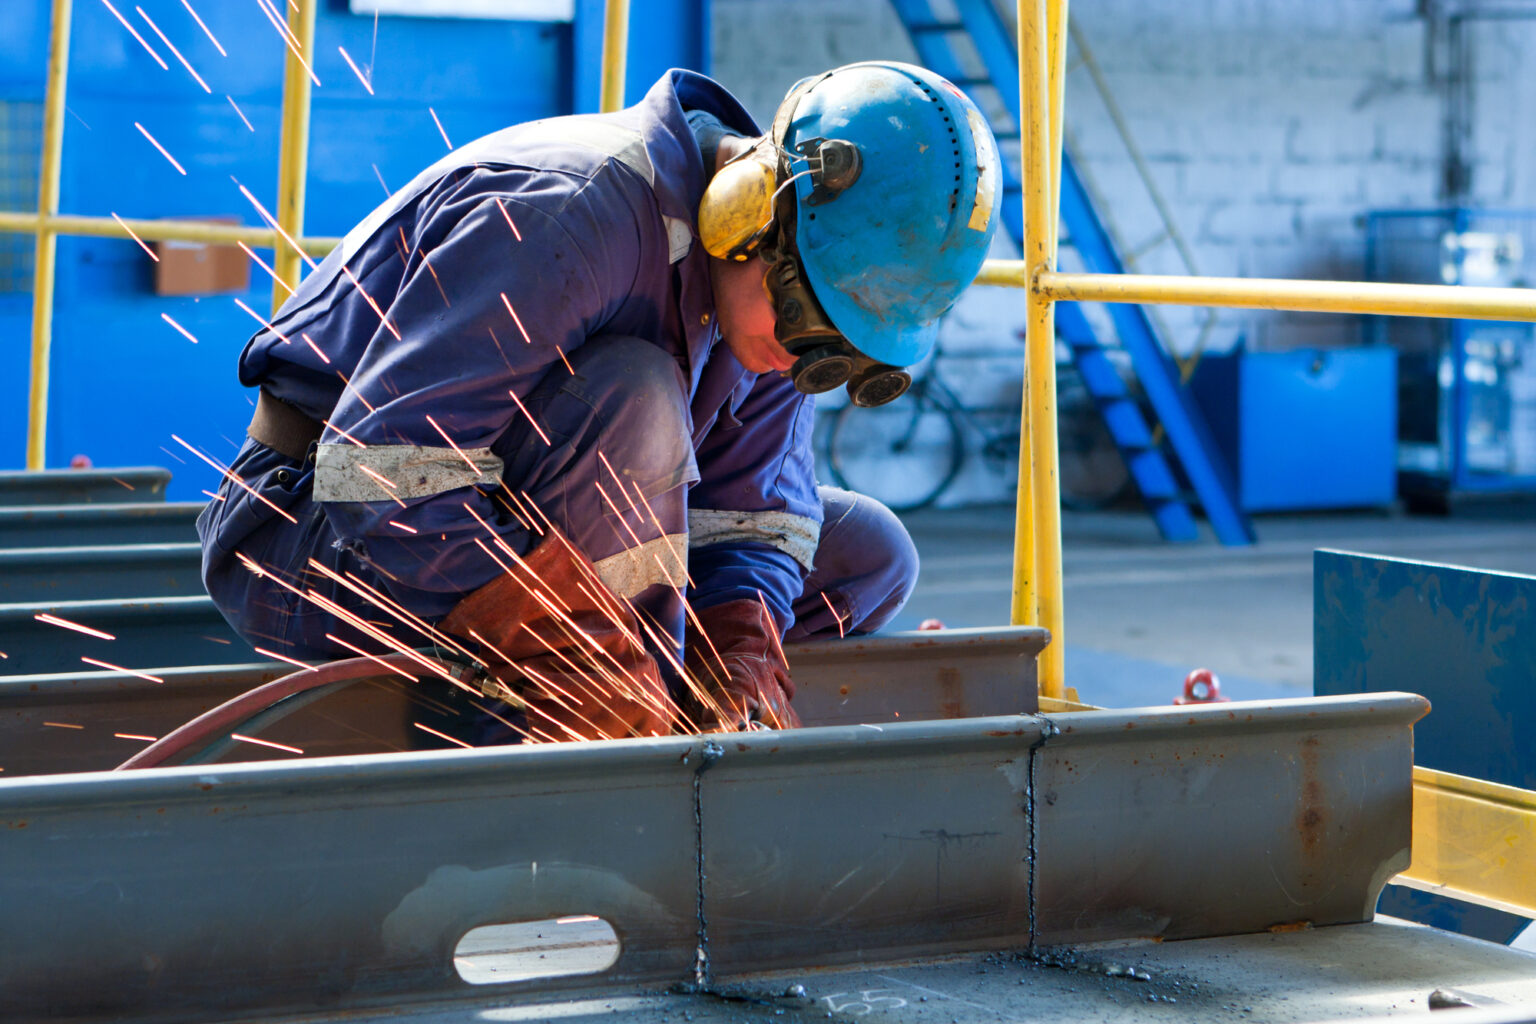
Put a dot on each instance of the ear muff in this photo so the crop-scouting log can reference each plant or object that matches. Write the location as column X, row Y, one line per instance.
column 737, row 208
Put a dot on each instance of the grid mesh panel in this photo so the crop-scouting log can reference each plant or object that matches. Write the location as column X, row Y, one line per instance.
column 21, row 143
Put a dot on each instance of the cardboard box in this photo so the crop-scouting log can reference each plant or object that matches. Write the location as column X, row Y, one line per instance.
column 200, row 268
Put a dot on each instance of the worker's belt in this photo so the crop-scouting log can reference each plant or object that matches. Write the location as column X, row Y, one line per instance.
column 283, row 428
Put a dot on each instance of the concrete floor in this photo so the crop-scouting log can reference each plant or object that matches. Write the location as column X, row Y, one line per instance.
column 1141, row 613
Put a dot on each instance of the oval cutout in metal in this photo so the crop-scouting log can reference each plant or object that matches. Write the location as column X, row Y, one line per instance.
column 495, row 954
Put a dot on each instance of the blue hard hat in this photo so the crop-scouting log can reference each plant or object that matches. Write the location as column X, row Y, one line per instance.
column 888, row 255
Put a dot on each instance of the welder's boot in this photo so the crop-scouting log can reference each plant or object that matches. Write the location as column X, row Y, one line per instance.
column 739, row 663
column 553, row 633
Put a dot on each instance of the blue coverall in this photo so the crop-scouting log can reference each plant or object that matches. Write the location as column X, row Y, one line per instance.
column 525, row 331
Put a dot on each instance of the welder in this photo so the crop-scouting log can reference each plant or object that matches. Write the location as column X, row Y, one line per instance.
column 554, row 399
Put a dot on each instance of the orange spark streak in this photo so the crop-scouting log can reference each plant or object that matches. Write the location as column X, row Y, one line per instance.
column 323, row 357
column 205, row 29
column 215, row 497
column 136, row 238
column 119, row 668
column 273, row 224
column 535, row 423
column 135, row 736
column 171, row 46
column 348, row 385
column 577, row 919
column 378, row 174
column 64, row 725
column 380, row 477
column 371, row 657
column 240, row 112
column 162, row 149
column 184, row 332
column 277, row 20
column 348, row 58
column 283, row 657
column 566, row 361
column 263, row 321
column 338, row 430
column 287, row 37
column 515, row 233
column 442, row 735
column 263, row 265
column 134, row 32
column 439, row 126
column 235, row 477
column 617, row 514
column 362, row 589
column 428, row 264
column 467, row 460
column 402, row 526
column 836, row 616
column 54, row 620
column 373, row 305
column 515, row 319
column 265, row 743
column 533, row 520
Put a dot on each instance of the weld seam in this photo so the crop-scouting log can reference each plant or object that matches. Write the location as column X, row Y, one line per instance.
column 708, row 755
column 1047, row 731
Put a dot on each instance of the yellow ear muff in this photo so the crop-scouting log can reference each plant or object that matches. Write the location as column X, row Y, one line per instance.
column 736, row 208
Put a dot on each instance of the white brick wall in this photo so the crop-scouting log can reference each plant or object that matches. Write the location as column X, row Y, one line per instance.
column 1271, row 126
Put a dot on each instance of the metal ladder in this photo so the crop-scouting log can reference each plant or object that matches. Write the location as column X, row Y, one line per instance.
column 939, row 35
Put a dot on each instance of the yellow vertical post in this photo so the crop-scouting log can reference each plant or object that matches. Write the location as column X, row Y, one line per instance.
column 615, row 52
column 1037, row 565
column 46, row 252
column 293, row 156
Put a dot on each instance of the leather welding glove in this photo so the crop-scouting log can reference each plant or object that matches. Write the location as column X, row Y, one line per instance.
column 553, row 633
column 739, row 663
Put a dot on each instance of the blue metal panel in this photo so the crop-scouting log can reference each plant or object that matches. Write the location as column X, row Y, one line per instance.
column 123, row 381
column 1305, row 429
column 1464, row 638
column 663, row 34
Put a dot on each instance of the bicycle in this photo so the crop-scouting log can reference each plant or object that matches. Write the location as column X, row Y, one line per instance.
column 906, row 454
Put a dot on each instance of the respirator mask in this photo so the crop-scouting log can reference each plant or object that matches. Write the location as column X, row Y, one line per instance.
column 749, row 212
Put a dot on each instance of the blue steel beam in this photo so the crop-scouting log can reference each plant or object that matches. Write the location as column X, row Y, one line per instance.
column 55, row 526
column 147, row 632
column 33, row 575
column 66, row 486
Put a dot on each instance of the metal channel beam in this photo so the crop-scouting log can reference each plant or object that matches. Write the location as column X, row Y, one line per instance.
column 181, row 892
column 69, row 486
column 52, row 526
column 32, row 575
column 918, row 676
column 1474, row 841
column 146, row 632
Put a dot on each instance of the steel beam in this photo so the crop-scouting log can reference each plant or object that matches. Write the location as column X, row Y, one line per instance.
column 68, row 486
column 183, row 892
column 146, row 632
column 30, row 575
column 955, row 673
column 144, row 522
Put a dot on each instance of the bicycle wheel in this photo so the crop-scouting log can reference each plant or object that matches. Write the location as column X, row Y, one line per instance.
column 1092, row 474
column 903, row 454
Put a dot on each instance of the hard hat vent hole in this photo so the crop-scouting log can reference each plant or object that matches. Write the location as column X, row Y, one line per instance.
column 528, row 950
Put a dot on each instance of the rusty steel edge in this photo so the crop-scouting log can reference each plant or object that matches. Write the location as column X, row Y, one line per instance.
column 176, row 893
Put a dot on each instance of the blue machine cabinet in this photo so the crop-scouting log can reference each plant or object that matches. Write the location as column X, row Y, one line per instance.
column 1467, row 387
column 1304, row 429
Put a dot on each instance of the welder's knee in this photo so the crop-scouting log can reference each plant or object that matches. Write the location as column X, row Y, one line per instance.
column 624, row 402
column 866, row 567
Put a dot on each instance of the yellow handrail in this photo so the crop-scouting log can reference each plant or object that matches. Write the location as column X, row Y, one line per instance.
column 1037, row 590
column 293, row 152
column 615, row 53
column 47, row 241
column 160, row 230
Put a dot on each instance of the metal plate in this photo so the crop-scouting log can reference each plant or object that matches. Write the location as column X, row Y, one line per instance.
column 39, row 526
column 913, row 676
column 258, row 888
column 61, row 487
column 41, row 575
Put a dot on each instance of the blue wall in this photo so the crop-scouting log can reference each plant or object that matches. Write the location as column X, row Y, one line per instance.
column 123, row 381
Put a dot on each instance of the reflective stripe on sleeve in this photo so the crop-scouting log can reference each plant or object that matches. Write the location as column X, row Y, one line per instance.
column 796, row 536
column 663, row 560
column 345, row 472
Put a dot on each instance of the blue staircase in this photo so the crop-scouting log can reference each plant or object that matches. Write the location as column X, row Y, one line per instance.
column 968, row 43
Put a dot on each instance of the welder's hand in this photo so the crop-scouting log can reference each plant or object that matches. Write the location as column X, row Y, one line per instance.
column 740, row 665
